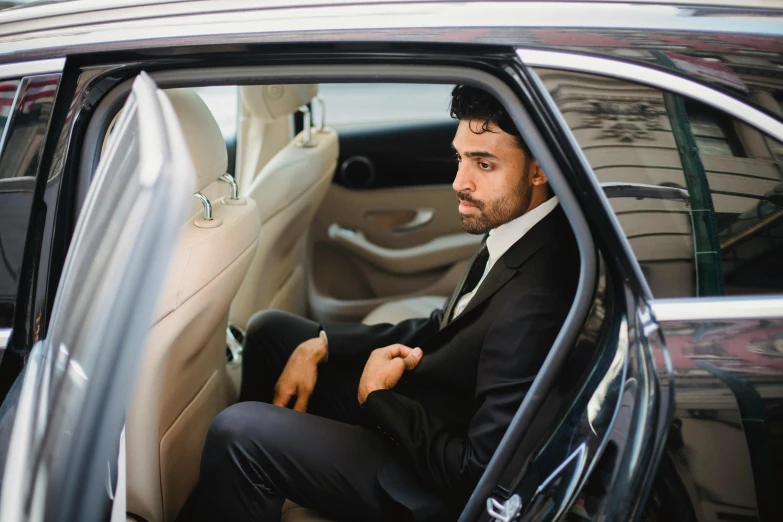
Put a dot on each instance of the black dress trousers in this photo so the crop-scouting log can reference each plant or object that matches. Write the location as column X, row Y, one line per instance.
column 256, row 455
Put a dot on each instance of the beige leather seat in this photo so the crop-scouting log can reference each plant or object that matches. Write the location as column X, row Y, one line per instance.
column 395, row 311
column 183, row 382
column 289, row 189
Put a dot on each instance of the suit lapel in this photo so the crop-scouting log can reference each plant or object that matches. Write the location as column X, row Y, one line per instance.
column 509, row 263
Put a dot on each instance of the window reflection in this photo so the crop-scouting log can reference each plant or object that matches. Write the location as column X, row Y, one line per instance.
column 726, row 236
column 25, row 109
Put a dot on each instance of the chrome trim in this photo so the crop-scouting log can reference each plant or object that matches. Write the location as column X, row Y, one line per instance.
column 655, row 78
column 504, row 511
column 19, row 69
column 51, row 28
column 717, row 308
column 54, row 10
column 580, row 456
column 322, row 103
column 228, row 178
column 307, row 131
column 5, row 334
column 207, row 205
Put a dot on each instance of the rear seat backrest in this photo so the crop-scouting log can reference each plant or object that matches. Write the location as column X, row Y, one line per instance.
column 289, row 190
column 182, row 382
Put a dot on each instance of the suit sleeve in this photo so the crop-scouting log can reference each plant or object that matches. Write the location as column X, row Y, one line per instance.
column 356, row 340
column 454, row 457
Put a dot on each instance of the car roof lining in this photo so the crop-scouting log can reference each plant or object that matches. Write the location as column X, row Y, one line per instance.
column 375, row 73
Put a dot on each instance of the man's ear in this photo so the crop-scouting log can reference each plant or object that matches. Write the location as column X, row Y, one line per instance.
column 537, row 174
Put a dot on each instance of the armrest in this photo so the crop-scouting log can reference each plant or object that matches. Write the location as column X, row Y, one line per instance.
column 441, row 251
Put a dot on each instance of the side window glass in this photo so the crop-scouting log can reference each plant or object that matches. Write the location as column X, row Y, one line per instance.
column 698, row 193
column 25, row 110
column 353, row 106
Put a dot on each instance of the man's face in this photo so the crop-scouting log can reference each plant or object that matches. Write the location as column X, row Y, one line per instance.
column 491, row 185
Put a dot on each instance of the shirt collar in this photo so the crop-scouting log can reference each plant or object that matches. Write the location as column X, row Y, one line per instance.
column 502, row 238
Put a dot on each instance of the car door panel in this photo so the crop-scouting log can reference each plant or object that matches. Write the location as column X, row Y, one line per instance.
column 726, row 362
column 388, row 227
column 439, row 252
column 397, row 155
column 359, row 261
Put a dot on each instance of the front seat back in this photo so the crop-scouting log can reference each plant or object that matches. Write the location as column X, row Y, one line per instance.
column 183, row 382
column 289, row 190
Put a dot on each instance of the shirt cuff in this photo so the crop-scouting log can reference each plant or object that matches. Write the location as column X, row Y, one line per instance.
column 322, row 335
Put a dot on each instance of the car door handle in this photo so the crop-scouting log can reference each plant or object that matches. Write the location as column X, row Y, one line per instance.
column 422, row 218
column 441, row 251
column 401, row 221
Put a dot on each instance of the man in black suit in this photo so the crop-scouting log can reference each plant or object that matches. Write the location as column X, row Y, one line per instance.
column 396, row 422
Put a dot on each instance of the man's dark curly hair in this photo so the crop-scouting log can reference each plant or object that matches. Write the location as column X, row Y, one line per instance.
column 472, row 103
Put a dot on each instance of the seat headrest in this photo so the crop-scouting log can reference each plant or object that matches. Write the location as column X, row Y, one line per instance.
column 202, row 134
column 269, row 102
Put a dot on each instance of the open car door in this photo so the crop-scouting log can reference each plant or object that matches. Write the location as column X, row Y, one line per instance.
column 70, row 403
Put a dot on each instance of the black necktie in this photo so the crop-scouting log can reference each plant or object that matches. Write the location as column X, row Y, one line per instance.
column 469, row 280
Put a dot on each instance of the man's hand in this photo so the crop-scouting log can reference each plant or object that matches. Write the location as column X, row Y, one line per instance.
column 300, row 374
column 385, row 367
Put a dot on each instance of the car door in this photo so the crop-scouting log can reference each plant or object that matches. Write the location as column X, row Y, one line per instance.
column 388, row 228
column 67, row 409
column 693, row 177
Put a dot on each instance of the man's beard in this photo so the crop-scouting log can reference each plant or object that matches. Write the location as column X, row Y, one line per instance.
column 495, row 213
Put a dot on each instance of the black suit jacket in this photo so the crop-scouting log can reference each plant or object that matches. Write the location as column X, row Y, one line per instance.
column 448, row 415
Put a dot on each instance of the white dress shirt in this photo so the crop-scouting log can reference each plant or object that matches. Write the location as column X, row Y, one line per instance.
column 502, row 238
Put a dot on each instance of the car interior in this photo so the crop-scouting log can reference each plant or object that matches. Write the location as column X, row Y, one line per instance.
column 337, row 205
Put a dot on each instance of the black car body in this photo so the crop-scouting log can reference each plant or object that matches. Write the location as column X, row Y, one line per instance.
column 659, row 125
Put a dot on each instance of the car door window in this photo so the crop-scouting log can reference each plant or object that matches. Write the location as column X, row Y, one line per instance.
column 698, row 193
column 25, row 110
column 368, row 105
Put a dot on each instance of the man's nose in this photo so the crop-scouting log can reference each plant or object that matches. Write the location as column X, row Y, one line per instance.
column 462, row 181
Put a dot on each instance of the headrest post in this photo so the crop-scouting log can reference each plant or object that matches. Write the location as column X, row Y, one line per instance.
column 207, row 205
column 322, row 103
column 307, row 138
column 228, row 178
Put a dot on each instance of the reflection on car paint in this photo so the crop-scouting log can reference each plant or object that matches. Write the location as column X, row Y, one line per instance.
column 729, row 417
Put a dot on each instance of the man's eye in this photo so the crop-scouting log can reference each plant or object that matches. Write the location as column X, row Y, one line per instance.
column 485, row 166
